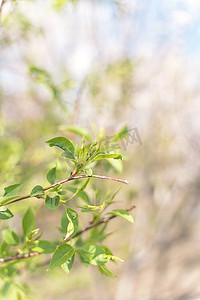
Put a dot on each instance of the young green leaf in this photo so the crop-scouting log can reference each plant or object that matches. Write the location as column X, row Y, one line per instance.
column 28, row 222
column 63, row 144
column 4, row 248
column 93, row 254
column 121, row 134
column 122, row 213
column 103, row 258
column 104, row 270
column 62, row 254
column 93, row 207
column 107, row 155
column 5, row 213
column 68, row 264
column 62, row 192
column 100, row 259
column 11, row 190
column 41, row 74
column 72, row 213
column 10, row 237
column 37, row 190
column 69, row 222
column 6, row 287
column 32, row 233
column 71, row 217
column 51, row 176
column 83, row 195
column 52, row 203
column 80, row 189
column 88, row 172
column 68, row 155
column 7, row 200
column 87, row 252
column 57, row 188
column 44, row 246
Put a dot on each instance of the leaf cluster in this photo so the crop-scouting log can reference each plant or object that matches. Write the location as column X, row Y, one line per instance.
column 74, row 201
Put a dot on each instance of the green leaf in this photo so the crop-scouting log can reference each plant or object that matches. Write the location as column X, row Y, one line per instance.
column 104, row 270
column 56, row 188
column 83, row 195
column 5, row 213
column 72, row 213
column 6, row 288
column 93, row 207
column 68, row 264
column 11, row 190
column 28, row 222
column 69, row 222
column 93, row 254
column 87, row 252
column 106, row 156
column 80, row 189
column 62, row 192
column 44, row 246
column 51, row 176
column 4, row 249
column 122, row 213
column 100, row 259
column 52, row 203
column 88, row 172
column 10, row 237
column 62, row 254
column 32, row 233
column 37, row 190
column 68, row 155
column 63, row 144
column 79, row 130
column 41, row 74
column 7, row 200
column 121, row 134
column 71, row 217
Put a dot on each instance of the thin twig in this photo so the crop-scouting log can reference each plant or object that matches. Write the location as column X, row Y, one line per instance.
column 22, row 256
column 71, row 177
column 96, row 224
column 1, row 6
column 27, row 255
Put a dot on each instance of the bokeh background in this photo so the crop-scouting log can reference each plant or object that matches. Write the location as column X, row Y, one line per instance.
column 107, row 64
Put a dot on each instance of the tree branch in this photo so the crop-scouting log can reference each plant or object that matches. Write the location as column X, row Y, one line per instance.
column 71, row 177
column 22, row 256
column 95, row 224
column 27, row 255
column 1, row 6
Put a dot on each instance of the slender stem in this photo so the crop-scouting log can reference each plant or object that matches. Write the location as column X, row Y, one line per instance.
column 1, row 6
column 27, row 255
column 71, row 177
column 110, row 178
column 22, row 256
column 95, row 224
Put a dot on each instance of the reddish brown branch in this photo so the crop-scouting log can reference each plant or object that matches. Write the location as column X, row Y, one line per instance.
column 66, row 180
column 1, row 6
column 96, row 224
column 22, row 256
column 27, row 255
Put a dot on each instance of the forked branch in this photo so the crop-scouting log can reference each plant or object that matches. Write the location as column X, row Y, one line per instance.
column 27, row 255
column 71, row 177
